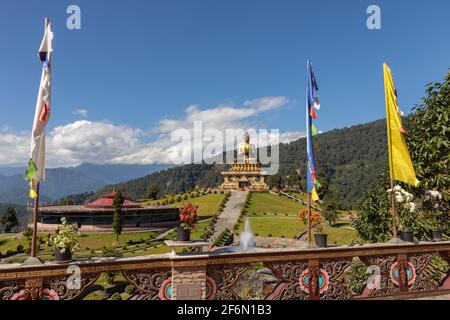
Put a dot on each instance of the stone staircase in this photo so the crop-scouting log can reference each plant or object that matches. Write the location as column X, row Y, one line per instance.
column 230, row 214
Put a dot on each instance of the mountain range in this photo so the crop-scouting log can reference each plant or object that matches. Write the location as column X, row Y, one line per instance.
column 61, row 182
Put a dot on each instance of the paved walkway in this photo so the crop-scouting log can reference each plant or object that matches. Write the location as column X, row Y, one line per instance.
column 230, row 214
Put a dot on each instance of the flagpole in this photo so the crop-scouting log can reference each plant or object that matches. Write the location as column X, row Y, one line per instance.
column 33, row 253
column 392, row 182
column 35, row 214
column 394, row 210
column 309, row 219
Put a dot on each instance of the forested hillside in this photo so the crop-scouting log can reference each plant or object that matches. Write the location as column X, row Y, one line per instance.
column 349, row 162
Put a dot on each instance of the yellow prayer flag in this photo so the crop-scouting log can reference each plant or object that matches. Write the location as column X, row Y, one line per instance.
column 400, row 164
column 33, row 193
column 314, row 195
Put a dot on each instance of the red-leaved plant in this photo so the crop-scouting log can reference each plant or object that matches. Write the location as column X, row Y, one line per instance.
column 188, row 216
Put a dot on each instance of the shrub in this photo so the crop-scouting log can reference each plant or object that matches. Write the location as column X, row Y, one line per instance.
column 129, row 289
column 28, row 233
column 110, row 252
column 358, row 277
column 19, row 248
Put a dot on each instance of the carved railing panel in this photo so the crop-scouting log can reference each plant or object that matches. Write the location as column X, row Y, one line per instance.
column 294, row 280
column 420, row 275
column 222, row 278
column 389, row 275
column 156, row 284
column 332, row 284
column 10, row 288
column 63, row 288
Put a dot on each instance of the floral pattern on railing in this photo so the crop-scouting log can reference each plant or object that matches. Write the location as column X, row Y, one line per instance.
column 294, row 284
column 156, row 284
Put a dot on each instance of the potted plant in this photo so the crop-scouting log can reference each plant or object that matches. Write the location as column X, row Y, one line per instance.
column 435, row 206
column 188, row 219
column 406, row 209
column 65, row 241
column 316, row 225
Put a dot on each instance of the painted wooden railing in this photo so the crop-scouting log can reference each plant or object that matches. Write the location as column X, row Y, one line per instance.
column 399, row 271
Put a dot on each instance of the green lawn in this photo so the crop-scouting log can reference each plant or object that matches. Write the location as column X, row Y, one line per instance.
column 201, row 227
column 87, row 242
column 10, row 242
column 269, row 203
column 207, row 204
column 288, row 227
column 98, row 241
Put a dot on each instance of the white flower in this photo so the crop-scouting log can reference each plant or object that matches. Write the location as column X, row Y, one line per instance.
column 412, row 207
column 409, row 197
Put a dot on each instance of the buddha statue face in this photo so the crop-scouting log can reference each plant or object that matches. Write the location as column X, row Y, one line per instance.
column 247, row 138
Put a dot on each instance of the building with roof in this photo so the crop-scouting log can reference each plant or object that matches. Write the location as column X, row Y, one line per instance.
column 97, row 216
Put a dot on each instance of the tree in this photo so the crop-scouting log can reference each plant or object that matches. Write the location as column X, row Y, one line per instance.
column 322, row 188
column 428, row 139
column 330, row 211
column 275, row 181
column 374, row 223
column 152, row 192
column 28, row 233
column 8, row 221
column 118, row 219
column 294, row 180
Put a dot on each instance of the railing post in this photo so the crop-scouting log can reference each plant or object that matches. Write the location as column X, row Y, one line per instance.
column 313, row 277
column 402, row 262
column 189, row 280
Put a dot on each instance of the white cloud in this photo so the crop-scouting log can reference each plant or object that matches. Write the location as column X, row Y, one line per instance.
column 14, row 149
column 80, row 112
column 5, row 128
column 103, row 142
column 290, row 136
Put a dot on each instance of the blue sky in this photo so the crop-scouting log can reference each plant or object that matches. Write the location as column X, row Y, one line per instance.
column 136, row 63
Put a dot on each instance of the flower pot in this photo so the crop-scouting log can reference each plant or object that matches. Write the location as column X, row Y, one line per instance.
column 63, row 257
column 407, row 236
column 437, row 235
column 321, row 240
column 183, row 234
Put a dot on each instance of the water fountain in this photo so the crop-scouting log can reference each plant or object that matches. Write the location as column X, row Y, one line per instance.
column 247, row 240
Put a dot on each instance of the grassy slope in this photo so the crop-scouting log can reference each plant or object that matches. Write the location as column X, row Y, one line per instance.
column 288, row 227
column 208, row 204
column 270, row 203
